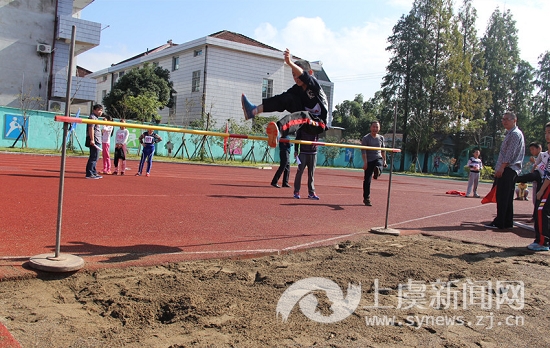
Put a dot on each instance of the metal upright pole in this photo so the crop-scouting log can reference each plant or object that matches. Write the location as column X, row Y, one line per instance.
column 64, row 145
column 385, row 229
column 391, row 164
column 58, row 262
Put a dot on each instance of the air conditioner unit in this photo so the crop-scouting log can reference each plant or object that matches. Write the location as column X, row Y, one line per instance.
column 56, row 106
column 41, row 48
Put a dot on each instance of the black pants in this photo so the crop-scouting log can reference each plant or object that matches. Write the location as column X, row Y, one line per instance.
column 368, row 176
column 284, row 167
column 119, row 155
column 505, row 199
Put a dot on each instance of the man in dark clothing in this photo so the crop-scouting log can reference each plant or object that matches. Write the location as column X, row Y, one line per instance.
column 373, row 160
column 507, row 169
column 93, row 133
column 284, row 165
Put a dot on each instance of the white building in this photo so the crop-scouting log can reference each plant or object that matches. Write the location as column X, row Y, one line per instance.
column 34, row 51
column 211, row 73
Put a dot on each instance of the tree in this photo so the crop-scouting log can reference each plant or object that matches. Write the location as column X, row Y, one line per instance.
column 468, row 96
column 397, row 83
column 522, row 98
column 144, row 106
column 541, row 102
column 150, row 81
column 500, row 44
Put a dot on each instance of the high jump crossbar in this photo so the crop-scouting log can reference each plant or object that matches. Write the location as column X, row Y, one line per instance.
column 67, row 119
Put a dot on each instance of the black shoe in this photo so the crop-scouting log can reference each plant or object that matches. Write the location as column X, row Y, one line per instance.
column 491, row 225
column 367, row 202
column 286, row 185
column 275, row 185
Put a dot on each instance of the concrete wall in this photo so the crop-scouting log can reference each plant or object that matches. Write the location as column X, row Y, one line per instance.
column 25, row 24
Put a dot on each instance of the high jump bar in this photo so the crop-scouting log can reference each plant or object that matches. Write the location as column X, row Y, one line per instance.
column 67, row 119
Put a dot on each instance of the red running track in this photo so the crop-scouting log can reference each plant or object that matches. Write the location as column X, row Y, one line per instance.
column 188, row 211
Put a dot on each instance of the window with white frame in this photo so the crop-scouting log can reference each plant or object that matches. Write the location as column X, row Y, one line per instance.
column 197, row 53
column 267, row 88
column 175, row 63
column 196, row 82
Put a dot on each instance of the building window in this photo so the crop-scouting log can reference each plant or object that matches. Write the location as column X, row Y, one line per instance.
column 104, row 78
column 120, row 74
column 267, row 88
column 103, row 94
column 175, row 63
column 197, row 53
column 196, row 82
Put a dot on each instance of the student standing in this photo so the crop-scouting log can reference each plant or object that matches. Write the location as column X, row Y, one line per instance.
column 106, row 133
column 148, row 140
column 475, row 165
column 121, row 140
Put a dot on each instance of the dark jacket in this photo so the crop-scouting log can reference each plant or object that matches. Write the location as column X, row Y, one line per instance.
column 306, row 149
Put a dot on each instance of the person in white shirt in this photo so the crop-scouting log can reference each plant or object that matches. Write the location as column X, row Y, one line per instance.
column 121, row 140
column 106, row 133
column 475, row 165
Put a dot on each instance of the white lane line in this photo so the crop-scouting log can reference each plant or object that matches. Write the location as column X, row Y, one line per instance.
column 320, row 241
column 435, row 215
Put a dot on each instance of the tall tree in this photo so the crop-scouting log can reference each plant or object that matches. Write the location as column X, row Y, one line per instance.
column 397, row 83
column 541, row 103
column 500, row 44
column 522, row 99
column 148, row 80
column 468, row 94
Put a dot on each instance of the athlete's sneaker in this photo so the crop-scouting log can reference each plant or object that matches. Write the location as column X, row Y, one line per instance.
column 248, row 108
column 147, row 175
column 93, row 177
column 97, row 176
column 313, row 196
column 532, row 245
column 138, row 174
column 537, row 247
column 122, row 173
column 476, row 195
column 272, row 134
column 297, row 195
column 367, row 202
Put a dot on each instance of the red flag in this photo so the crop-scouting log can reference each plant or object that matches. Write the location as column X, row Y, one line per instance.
column 225, row 139
column 491, row 197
